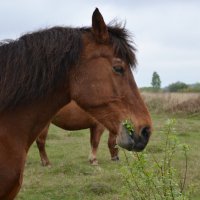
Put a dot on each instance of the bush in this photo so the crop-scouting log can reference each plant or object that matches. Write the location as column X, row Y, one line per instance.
column 193, row 88
column 150, row 178
column 177, row 87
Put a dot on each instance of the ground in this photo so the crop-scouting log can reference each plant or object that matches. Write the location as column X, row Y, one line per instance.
column 71, row 177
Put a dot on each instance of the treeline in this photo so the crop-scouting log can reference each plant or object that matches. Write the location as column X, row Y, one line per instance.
column 183, row 87
column 174, row 87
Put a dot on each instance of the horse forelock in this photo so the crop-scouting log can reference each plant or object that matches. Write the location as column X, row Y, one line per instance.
column 122, row 43
column 36, row 63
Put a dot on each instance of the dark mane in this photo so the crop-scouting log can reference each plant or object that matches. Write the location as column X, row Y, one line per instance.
column 37, row 63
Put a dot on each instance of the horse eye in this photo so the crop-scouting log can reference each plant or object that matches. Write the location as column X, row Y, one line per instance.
column 118, row 70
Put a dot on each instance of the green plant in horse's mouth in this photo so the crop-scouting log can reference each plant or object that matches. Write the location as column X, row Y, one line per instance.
column 129, row 126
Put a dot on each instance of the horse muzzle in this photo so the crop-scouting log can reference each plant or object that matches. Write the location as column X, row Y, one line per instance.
column 132, row 141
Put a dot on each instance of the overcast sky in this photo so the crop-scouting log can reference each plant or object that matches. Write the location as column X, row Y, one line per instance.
column 166, row 32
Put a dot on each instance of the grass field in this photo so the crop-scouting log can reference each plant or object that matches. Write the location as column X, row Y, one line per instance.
column 71, row 177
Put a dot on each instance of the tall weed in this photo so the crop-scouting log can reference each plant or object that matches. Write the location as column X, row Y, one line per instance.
column 151, row 178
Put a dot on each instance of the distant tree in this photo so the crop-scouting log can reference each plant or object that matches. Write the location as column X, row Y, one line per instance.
column 156, row 82
column 177, row 87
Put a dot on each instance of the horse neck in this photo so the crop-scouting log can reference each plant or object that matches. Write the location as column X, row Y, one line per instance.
column 25, row 122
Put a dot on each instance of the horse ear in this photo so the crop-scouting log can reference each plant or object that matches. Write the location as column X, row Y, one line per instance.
column 99, row 27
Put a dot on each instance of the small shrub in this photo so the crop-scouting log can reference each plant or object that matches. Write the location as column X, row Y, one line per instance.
column 149, row 178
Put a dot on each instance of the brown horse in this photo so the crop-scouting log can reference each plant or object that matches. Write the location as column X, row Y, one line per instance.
column 42, row 71
column 72, row 117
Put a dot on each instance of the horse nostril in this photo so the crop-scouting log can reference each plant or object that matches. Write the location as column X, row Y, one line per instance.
column 146, row 132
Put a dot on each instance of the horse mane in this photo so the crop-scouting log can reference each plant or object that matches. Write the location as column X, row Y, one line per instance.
column 37, row 63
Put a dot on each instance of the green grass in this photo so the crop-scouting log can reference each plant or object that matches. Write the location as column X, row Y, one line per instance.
column 71, row 177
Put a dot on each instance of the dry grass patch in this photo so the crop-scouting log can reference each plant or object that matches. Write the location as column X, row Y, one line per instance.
column 172, row 102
